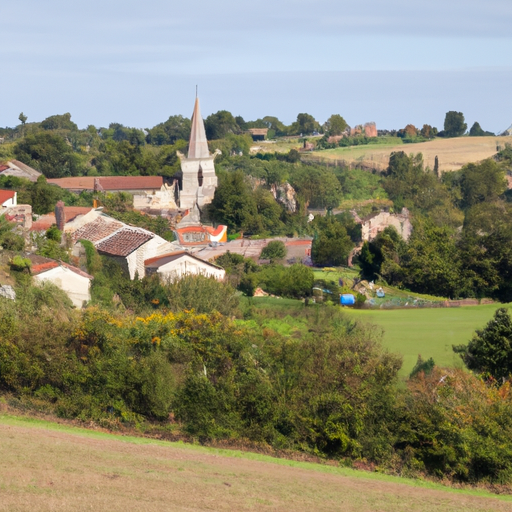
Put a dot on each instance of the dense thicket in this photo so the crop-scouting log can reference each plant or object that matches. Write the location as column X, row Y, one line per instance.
column 326, row 388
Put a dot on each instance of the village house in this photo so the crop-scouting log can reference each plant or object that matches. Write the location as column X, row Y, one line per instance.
column 73, row 281
column 129, row 246
column 175, row 265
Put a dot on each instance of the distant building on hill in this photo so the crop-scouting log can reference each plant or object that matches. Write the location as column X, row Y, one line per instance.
column 258, row 133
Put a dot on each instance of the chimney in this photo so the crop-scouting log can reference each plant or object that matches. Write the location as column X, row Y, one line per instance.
column 59, row 216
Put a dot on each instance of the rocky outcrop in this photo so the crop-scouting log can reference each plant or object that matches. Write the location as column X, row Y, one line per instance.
column 286, row 195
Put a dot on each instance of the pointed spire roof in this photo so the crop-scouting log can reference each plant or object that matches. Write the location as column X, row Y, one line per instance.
column 198, row 145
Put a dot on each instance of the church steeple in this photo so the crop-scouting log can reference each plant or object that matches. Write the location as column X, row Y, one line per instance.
column 198, row 145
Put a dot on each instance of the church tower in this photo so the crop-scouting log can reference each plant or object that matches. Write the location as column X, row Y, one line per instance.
column 199, row 179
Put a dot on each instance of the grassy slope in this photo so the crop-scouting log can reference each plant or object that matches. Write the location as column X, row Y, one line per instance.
column 452, row 153
column 45, row 466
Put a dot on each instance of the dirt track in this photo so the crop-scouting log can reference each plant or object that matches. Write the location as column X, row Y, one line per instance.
column 48, row 470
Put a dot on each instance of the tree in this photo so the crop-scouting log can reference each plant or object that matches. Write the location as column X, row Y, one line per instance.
column 331, row 245
column 336, row 125
column 428, row 132
column 175, row 128
column 59, row 122
column 490, row 349
column 49, row 153
column 306, row 124
column 23, row 118
column 318, row 186
column 454, row 125
column 483, row 182
column 275, row 250
column 220, row 124
column 234, row 203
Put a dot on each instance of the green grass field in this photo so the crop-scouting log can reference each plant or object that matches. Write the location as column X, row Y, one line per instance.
column 430, row 332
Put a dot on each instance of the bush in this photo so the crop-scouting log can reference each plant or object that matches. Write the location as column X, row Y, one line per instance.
column 275, row 250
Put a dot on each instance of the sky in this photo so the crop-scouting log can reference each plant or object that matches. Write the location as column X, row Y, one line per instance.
column 388, row 61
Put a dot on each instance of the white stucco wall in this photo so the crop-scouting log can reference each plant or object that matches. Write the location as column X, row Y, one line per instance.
column 187, row 265
column 154, row 247
column 77, row 287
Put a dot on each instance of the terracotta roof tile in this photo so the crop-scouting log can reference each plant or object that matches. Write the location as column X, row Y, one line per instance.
column 97, row 230
column 109, row 182
column 5, row 195
column 72, row 212
column 43, row 223
column 3, row 167
column 43, row 267
column 124, row 241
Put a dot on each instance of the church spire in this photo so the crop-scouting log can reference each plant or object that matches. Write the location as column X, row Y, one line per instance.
column 198, row 145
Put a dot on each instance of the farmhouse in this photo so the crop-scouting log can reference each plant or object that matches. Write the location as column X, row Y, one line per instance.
column 177, row 264
column 71, row 280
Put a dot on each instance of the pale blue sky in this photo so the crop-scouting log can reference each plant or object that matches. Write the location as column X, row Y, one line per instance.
column 392, row 62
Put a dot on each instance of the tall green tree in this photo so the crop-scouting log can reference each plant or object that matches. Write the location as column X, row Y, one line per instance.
column 490, row 350
column 454, row 125
column 50, row 154
column 331, row 245
column 220, row 124
column 305, row 124
column 336, row 125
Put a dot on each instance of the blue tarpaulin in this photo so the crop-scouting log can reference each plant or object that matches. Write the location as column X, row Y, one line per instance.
column 347, row 299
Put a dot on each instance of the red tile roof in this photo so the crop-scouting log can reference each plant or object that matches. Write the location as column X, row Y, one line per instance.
column 72, row 212
column 41, row 265
column 43, row 223
column 3, row 167
column 124, row 242
column 97, row 230
column 5, row 195
column 110, row 182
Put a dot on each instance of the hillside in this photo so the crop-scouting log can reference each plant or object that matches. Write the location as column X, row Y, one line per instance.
column 452, row 153
column 48, row 467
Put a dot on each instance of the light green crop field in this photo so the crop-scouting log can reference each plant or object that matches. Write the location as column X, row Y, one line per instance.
column 50, row 467
column 430, row 332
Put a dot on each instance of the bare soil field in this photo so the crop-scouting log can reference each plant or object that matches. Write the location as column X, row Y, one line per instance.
column 47, row 467
column 452, row 153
